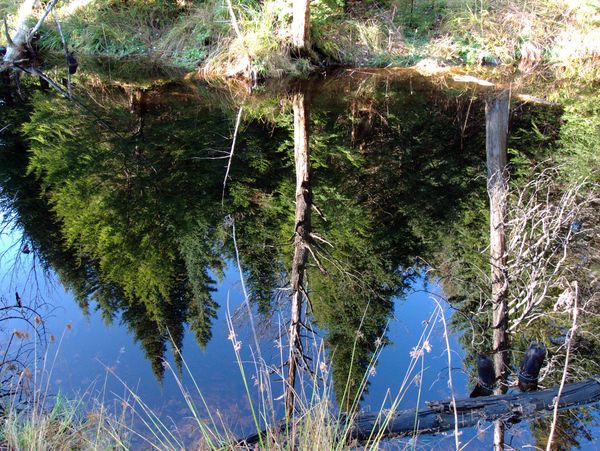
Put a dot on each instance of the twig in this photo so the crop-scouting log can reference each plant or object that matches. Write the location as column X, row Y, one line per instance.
column 249, row 307
column 236, row 28
column 317, row 261
column 314, row 236
column 65, row 94
column 235, row 132
column 539, row 241
column 450, row 385
column 234, row 22
column 41, row 20
column 39, row 73
column 7, row 34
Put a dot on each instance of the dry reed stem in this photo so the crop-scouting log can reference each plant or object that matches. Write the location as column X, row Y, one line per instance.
column 450, row 384
column 574, row 292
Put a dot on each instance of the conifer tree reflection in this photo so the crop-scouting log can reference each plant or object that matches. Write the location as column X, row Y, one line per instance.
column 136, row 224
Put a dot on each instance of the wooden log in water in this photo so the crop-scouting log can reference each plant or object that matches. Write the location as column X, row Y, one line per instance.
column 439, row 417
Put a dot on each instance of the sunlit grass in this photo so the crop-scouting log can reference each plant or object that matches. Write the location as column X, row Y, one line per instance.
column 36, row 418
column 558, row 37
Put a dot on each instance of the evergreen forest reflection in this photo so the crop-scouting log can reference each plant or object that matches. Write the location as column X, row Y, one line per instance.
column 127, row 200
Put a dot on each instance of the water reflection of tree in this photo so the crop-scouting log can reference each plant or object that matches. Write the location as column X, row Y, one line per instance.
column 141, row 216
column 462, row 265
column 365, row 188
column 112, row 237
column 136, row 223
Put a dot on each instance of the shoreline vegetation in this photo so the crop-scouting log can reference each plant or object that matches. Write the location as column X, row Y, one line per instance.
column 252, row 40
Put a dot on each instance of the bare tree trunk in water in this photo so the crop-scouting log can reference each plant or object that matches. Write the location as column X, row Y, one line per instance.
column 301, row 236
column 496, row 116
column 301, row 24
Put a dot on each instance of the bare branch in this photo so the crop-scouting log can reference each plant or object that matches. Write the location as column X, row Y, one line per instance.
column 41, row 19
column 235, row 133
column 66, row 48
column 7, row 34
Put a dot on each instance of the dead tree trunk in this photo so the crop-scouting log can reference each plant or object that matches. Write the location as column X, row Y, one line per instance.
column 301, row 236
column 301, row 25
column 16, row 43
column 439, row 416
column 137, row 108
column 496, row 115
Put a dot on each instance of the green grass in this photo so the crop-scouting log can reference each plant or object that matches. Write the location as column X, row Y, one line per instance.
column 61, row 427
column 114, row 28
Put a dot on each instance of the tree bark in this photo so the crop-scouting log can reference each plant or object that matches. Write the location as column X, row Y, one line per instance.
column 301, row 24
column 137, row 108
column 301, row 236
column 496, row 115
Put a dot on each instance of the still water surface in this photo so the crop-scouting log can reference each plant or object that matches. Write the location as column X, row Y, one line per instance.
column 124, row 207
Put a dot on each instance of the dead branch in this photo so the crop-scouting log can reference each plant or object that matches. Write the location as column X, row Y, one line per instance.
column 235, row 133
column 540, row 232
column 66, row 49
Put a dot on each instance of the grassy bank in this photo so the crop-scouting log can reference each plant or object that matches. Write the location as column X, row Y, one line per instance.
column 554, row 38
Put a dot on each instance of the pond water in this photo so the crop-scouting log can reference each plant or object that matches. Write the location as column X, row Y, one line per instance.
column 122, row 211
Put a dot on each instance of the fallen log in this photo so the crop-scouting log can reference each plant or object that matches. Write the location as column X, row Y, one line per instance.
column 439, row 417
column 16, row 48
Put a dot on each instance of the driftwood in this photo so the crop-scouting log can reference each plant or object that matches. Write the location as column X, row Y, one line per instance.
column 439, row 417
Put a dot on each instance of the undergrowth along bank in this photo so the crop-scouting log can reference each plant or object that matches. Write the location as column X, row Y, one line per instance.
column 553, row 38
